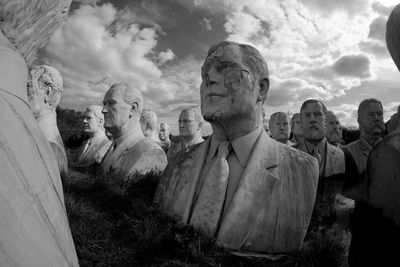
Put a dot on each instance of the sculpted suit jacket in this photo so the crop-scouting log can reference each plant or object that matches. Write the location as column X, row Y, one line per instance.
column 271, row 208
column 134, row 155
column 329, row 186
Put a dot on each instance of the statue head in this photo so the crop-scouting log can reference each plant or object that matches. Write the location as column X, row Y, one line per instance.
column 44, row 89
column 370, row 119
column 148, row 122
column 295, row 125
column 313, row 120
column 163, row 134
column 93, row 120
column 122, row 106
column 279, row 127
column 394, row 121
column 334, row 129
column 393, row 35
column 190, row 123
column 234, row 84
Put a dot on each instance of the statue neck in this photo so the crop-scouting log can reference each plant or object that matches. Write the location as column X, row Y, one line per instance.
column 236, row 127
column 189, row 140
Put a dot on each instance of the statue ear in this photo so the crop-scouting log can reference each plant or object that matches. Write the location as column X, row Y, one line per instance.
column 134, row 109
column 264, row 87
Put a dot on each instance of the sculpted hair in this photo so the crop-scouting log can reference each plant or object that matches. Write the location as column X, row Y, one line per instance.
column 309, row 101
column 149, row 119
column 295, row 115
column 96, row 109
column 251, row 58
column 130, row 94
column 52, row 82
column 273, row 117
column 166, row 126
column 197, row 114
column 363, row 105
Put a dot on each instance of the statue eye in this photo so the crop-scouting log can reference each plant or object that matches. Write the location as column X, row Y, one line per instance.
column 222, row 67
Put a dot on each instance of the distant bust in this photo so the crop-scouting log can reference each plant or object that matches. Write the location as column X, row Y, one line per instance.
column 163, row 134
column 249, row 192
column 44, row 92
column 297, row 130
column 148, row 123
column 190, row 124
column 130, row 153
column 93, row 149
column 280, row 128
column 334, row 129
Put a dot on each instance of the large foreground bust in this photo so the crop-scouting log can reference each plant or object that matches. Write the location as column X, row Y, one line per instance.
column 261, row 197
column 34, row 226
column 130, row 153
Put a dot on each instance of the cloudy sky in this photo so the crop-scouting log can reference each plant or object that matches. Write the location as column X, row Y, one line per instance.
column 331, row 50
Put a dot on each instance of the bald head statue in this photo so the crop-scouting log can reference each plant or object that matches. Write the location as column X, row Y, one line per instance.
column 122, row 106
column 234, row 86
column 279, row 127
column 44, row 89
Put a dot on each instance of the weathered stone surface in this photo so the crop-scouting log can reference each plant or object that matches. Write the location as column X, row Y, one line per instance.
column 34, row 226
column 130, row 153
column 29, row 24
column 270, row 193
column 393, row 35
column 44, row 93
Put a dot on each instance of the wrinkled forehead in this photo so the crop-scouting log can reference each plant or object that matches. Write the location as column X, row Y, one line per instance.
column 227, row 54
column 114, row 93
column 313, row 106
column 187, row 114
column 280, row 117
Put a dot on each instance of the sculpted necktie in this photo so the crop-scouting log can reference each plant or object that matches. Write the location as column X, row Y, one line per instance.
column 317, row 155
column 208, row 208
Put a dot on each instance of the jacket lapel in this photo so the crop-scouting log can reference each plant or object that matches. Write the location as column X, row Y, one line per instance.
column 177, row 187
column 255, row 188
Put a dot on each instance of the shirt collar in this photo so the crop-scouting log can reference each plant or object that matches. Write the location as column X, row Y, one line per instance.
column 135, row 131
column 242, row 146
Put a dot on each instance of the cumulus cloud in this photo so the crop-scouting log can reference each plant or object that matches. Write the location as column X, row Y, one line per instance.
column 381, row 9
column 353, row 66
column 94, row 49
column 377, row 29
column 206, row 23
column 165, row 56
column 328, row 7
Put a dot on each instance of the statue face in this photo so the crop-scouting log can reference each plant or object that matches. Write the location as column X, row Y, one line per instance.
column 90, row 123
column 163, row 133
column 37, row 89
column 188, row 125
column 297, row 128
column 371, row 120
column 116, row 112
column 313, row 122
column 228, row 88
column 280, row 127
column 333, row 129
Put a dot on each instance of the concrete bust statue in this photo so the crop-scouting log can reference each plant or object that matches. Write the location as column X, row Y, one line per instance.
column 130, row 153
column 190, row 123
column 233, row 184
column 279, row 127
column 93, row 149
column 44, row 92
column 148, row 123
